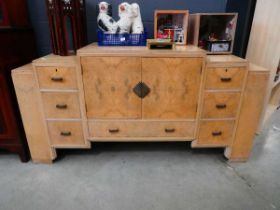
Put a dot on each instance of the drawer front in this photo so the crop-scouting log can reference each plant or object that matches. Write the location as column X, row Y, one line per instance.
column 57, row 78
column 225, row 78
column 117, row 129
column 61, row 105
column 65, row 133
column 220, row 105
column 215, row 132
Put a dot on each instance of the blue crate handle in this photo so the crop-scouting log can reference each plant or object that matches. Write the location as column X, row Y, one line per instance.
column 106, row 39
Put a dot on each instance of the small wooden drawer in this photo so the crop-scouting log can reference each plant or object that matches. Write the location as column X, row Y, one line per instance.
column 57, row 78
column 119, row 129
column 220, row 104
column 225, row 78
column 66, row 133
column 61, row 105
column 215, row 132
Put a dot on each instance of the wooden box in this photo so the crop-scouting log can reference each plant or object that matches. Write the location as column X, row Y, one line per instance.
column 213, row 28
column 171, row 24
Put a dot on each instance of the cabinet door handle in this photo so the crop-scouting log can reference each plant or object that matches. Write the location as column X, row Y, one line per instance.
column 114, row 130
column 221, row 106
column 65, row 133
column 61, row 106
column 217, row 133
column 170, row 130
column 226, row 79
column 57, row 79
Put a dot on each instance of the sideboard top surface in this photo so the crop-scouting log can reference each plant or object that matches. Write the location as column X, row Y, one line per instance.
column 178, row 51
column 52, row 59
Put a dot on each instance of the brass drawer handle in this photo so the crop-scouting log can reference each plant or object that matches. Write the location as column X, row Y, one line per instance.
column 221, row 106
column 114, row 130
column 226, row 79
column 170, row 130
column 65, row 133
column 217, row 133
column 57, row 79
column 61, row 106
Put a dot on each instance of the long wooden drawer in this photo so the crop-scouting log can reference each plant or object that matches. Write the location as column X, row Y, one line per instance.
column 61, row 105
column 66, row 133
column 112, row 129
column 215, row 132
column 220, row 104
column 57, row 77
column 225, row 78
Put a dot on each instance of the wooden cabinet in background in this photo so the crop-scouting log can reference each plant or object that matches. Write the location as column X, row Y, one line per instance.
column 17, row 47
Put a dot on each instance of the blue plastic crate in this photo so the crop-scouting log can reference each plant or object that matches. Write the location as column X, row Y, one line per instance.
column 106, row 39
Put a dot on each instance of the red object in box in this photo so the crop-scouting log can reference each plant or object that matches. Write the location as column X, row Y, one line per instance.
column 4, row 19
column 166, row 34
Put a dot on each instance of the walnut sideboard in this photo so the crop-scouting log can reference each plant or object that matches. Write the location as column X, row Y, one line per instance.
column 136, row 94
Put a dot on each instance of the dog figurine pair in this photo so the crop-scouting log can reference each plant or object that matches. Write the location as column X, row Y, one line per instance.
column 130, row 19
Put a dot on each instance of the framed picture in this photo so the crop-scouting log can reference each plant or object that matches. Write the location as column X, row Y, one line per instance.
column 4, row 21
column 171, row 24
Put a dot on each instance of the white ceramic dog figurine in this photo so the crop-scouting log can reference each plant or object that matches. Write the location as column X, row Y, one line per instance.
column 126, row 18
column 137, row 24
column 104, row 20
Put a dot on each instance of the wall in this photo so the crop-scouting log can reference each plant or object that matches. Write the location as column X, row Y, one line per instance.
column 38, row 15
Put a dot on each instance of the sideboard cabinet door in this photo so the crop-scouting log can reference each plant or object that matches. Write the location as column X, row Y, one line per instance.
column 174, row 87
column 109, row 84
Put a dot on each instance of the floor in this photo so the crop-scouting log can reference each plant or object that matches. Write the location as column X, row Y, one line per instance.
column 146, row 176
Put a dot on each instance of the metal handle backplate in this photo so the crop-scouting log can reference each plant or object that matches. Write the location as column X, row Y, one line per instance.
column 141, row 90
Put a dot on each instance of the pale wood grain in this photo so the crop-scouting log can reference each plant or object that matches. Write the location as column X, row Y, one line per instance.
column 174, row 84
column 207, row 128
column 74, row 127
column 178, row 51
column 32, row 115
column 215, row 75
column 264, row 45
column 46, row 73
column 108, row 85
column 70, row 100
column 250, row 114
column 213, row 105
column 140, row 128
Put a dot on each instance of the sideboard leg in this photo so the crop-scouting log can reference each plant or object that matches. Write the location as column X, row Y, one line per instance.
column 32, row 115
column 23, row 155
column 250, row 114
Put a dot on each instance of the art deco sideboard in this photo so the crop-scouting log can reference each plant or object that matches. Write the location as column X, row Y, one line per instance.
column 136, row 94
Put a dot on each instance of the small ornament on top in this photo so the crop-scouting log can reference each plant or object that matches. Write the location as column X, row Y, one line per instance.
column 105, row 21
column 127, row 31
column 130, row 20
column 137, row 24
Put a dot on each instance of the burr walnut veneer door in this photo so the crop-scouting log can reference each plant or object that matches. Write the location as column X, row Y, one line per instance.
column 174, row 87
column 108, row 85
